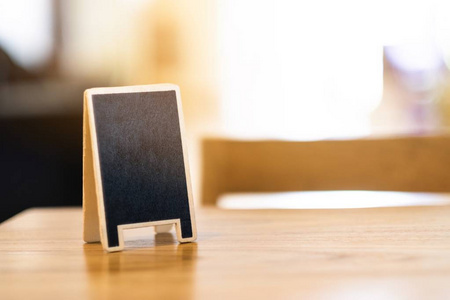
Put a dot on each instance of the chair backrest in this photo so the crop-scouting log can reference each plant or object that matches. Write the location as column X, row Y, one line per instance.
column 415, row 164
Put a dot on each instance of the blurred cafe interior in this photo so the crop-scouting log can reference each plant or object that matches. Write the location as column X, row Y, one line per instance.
column 300, row 85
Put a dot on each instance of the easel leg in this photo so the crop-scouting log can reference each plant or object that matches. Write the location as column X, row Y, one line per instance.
column 185, row 232
column 91, row 230
column 113, row 236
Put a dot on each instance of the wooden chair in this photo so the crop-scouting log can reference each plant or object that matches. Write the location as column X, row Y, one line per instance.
column 415, row 164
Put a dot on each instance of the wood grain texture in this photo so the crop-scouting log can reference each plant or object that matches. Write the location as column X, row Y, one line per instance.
column 415, row 164
column 387, row 253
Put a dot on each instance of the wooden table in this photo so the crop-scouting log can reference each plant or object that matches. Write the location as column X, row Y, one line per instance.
column 387, row 253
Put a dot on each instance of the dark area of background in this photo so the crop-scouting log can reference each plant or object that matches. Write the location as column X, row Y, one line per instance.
column 41, row 162
column 41, row 139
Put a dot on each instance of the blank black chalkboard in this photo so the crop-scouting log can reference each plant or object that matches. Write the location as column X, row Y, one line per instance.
column 139, row 161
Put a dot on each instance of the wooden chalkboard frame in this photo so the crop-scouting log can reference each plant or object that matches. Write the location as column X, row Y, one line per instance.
column 94, row 222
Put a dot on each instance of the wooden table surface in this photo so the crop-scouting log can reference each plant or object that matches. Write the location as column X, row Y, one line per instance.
column 376, row 253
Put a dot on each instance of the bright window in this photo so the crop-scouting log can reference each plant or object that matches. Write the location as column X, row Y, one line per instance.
column 313, row 69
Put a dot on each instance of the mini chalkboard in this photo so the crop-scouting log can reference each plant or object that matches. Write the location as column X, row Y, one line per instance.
column 135, row 165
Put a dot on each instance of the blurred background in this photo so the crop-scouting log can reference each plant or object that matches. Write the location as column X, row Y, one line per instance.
column 287, row 70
